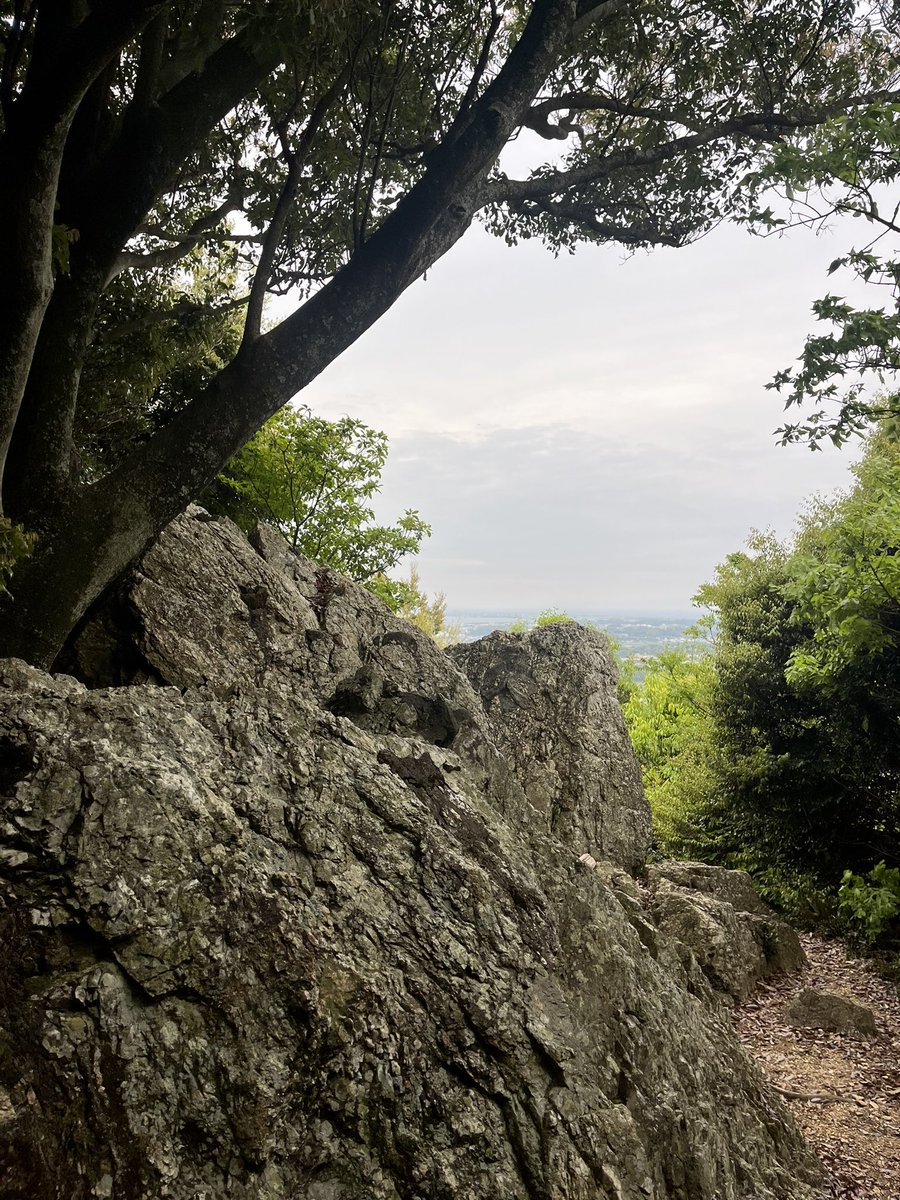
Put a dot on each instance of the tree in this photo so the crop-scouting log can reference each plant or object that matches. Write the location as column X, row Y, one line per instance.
column 846, row 587
column 338, row 150
column 313, row 479
column 668, row 718
column 408, row 599
column 780, row 752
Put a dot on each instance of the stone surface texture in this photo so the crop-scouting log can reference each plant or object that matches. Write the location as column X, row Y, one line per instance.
column 718, row 915
column 277, row 921
column 814, row 1009
column 550, row 697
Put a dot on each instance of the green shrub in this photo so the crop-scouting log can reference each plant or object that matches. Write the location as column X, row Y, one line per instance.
column 871, row 902
column 550, row 616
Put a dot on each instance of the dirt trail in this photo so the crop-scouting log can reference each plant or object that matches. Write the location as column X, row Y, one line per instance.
column 856, row 1129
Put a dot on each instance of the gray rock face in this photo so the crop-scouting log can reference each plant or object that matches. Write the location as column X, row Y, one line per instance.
column 550, row 697
column 280, row 923
column 718, row 915
column 824, row 1010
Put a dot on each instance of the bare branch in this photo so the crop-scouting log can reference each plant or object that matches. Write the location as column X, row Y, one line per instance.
column 272, row 240
column 182, row 243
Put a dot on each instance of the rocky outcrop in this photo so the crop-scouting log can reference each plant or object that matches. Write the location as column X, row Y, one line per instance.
column 718, row 916
column 278, row 921
column 550, row 697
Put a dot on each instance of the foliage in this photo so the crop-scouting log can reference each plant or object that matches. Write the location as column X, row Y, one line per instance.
column 848, row 587
column 163, row 335
column 314, row 480
column 15, row 543
column 872, row 903
column 549, row 616
column 668, row 718
column 779, row 753
column 165, row 164
column 408, row 600
column 850, row 165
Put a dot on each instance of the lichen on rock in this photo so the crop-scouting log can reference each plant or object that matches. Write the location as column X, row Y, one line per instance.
column 278, row 919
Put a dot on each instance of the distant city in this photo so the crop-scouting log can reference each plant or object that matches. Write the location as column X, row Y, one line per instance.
column 636, row 635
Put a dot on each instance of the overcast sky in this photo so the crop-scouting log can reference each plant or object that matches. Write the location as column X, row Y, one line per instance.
column 591, row 431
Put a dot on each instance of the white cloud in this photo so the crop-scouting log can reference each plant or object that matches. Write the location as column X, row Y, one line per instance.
column 585, row 431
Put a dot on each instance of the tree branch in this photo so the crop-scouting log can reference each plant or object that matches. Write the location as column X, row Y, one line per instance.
column 296, row 160
column 537, row 117
column 182, row 243
column 31, row 153
column 425, row 223
column 755, row 126
column 592, row 14
column 629, row 235
column 144, row 159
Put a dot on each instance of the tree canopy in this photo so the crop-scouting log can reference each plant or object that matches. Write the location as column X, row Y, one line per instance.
column 330, row 153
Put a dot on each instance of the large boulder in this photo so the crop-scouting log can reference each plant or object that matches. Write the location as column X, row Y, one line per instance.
column 719, row 917
column 550, row 697
column 277, row 921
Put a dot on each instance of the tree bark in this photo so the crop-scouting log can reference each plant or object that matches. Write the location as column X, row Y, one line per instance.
column 141, row 161
column 30, row 158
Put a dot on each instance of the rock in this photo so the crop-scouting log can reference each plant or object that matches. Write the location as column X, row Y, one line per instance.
column 278, row 921
column 718, row 915
column 813, row 1009
column 734, row 887
column 550, row 697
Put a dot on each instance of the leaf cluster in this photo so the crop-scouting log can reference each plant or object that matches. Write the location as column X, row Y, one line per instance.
column 849, row 165
column 871, row 902
column 314, row 480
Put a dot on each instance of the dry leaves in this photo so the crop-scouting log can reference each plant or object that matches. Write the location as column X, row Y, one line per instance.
column 855, row 1130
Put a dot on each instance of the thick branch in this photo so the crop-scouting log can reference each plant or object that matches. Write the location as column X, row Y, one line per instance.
column 181, row 459
column 125, row 184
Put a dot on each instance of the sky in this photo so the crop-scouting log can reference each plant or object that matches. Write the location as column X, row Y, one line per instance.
column 590, row 431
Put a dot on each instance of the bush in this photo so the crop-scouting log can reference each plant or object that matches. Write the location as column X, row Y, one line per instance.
column 872, row 904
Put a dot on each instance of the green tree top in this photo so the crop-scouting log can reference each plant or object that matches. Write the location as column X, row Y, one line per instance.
column 314, row 480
